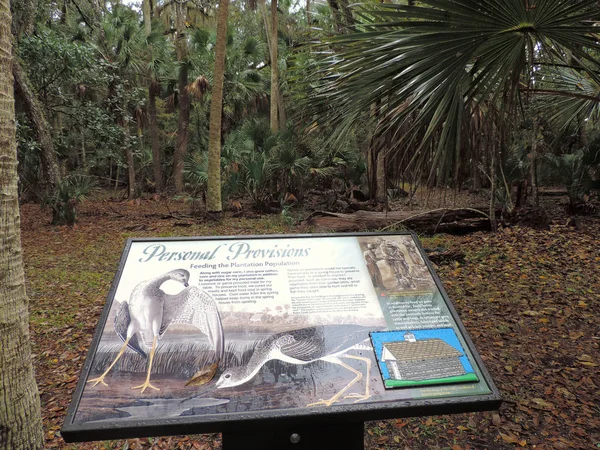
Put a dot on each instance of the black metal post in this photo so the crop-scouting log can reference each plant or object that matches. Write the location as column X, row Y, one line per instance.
column 349, row 436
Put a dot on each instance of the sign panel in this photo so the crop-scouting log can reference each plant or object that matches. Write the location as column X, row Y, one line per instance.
column 214, row 334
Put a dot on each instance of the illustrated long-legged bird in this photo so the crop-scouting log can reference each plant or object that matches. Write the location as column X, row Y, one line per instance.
column 326, row 343
column 150, row 311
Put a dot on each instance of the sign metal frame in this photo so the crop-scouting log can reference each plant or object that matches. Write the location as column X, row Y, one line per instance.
column 245, row 423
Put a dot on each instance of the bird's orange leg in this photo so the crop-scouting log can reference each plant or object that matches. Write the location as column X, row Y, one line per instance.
column 366, row 395
column 100, row 379
column 147, row 384
column 336, row 397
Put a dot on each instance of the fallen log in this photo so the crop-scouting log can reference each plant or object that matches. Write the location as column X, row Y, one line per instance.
column 553, row 193
column 455, row 221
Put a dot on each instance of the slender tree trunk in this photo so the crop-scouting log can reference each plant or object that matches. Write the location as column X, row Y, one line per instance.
column 281, row 109
column 274, row 68
column 335, row 11
column 308, row 16
column 184, row 102
column 20, row 416
column 153, row 89
column 380, row 194
column 140, row 133
column 147, row 16
column 35, row 113
column 493, row 223
column 277, row 106
column 213, row 200
column 130, row 163
column 532, row 166
column 83, row 150
column 156, row 153
column 263, row 8
column 23, row 14
column 347, row 12
column 117, row 177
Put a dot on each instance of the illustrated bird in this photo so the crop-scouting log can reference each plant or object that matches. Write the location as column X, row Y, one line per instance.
column 150, row 311
column 326, row 343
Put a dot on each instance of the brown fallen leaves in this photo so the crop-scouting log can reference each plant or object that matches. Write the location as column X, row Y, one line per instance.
column 529, row 299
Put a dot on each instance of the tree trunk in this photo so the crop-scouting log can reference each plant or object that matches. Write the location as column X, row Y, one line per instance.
column 23, row 14
column 444, row 220
column 153, row 89
column 281, row 109
column 532, row 166
column 156, row 153
column 147, row 16
column 273, row 41
column 380, row 194
column 83, row 150
column 20, row 416
column 335, row 11
column 493, row 223
column 35, row 113
column 213, row 199
column 184, row 101
column 346, row 12
column 277, row 116
column 130, row 163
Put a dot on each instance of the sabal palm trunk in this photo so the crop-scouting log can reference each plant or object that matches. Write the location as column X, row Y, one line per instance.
column 155, row 143
column 182, row 130
column 308, row 16
column 147, row 16
column 20, row 417
column 184, row 101
column 152, row 119
column 274, row 69
column 213, row 199
column 129, row 160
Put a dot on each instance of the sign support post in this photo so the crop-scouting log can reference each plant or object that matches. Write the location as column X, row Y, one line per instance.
column 349, row 436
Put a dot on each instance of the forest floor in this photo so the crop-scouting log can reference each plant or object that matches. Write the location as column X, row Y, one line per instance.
column 530, row 300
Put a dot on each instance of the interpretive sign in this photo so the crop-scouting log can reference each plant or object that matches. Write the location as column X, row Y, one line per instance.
column 236, row 333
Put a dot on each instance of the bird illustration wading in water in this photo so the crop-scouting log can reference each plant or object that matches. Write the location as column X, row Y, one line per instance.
column 326, row 343
column 150, row 311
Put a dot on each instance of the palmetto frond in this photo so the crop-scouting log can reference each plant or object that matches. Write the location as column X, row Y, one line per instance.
column 571, row 95
column 124, row 40
column 425, row 67
column 196, row 169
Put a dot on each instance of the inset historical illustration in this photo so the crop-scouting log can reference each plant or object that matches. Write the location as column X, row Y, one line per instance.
column 395, row 264
column 421, row 357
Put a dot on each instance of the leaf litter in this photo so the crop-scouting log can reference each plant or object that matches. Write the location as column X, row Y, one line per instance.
column 530, row 300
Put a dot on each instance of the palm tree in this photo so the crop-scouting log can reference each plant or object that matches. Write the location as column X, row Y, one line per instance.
column 273, row 42
column 426, row 70
column 213, row 198
column 181, row 13
column 159, row 57
column 20, row 417
column 123, row 49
